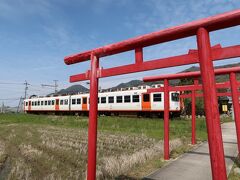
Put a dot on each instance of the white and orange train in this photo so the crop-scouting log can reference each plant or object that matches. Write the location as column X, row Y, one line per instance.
column 129, row 101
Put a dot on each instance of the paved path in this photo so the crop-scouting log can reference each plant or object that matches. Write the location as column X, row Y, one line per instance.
column 195, row 165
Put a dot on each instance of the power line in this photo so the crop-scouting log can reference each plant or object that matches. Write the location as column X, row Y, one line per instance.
column 50, row 85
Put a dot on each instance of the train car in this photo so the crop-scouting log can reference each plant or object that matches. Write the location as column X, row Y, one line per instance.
column 129, row 101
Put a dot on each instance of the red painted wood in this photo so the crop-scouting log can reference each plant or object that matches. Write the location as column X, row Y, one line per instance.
column 220, row 21
column 201, row 95
column 211, row 106
column 235, row 100
column 194, row 114
column 213, row 23
column 138, row 55
column 191, row 87
column 190, row 74
column 92, row 127
column 166, row 120
column 218, row 54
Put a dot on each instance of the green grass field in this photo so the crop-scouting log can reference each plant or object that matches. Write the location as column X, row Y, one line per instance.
column 152, row 128
column 55, row 147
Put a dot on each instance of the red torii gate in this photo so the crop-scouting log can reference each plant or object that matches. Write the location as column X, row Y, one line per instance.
column 233, row 84
column 204, row 56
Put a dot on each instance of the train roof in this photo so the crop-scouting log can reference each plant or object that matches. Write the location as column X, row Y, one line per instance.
column 142, row 87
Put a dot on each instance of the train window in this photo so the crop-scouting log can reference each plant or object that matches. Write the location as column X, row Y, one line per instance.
column 61, row 102
column 49, row 103
column 98, row 100
column 26, row 103
column 78, row 101
column 175, row 97
column 146, row 97
column 111, row 99
column 45, row 103
column 84, row 100
column 52, row 102
column 35, row 103
column 103, row 100
column 38, row 103
column 157, row 97
column 32, row 103
column 119, row 99
column 127, row 99
column 135, row 98
column 73, row 101
column 41, row 103
column 66, row 102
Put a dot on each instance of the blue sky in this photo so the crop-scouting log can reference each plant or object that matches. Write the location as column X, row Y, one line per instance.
column 36, row 35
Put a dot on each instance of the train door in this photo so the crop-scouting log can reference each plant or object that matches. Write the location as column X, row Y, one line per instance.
column 29, row 105
column 84, row 104
column 146, row 102
column 57, row 105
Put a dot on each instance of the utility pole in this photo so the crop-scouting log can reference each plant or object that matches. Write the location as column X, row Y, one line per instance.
column 26, row 88
column 56, row 85
column 49, row 85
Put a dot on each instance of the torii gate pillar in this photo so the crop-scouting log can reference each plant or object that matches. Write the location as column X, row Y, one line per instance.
column 211, row 106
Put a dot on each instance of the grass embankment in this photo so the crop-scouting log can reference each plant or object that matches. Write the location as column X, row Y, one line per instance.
column 55, row 147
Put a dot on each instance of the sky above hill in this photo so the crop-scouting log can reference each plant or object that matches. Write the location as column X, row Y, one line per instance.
column 36, row 35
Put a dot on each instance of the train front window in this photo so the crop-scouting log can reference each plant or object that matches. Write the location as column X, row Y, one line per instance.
column 175, row 97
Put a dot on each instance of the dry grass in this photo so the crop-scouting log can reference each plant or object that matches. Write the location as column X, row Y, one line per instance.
column 52, row 147
column 61, row 153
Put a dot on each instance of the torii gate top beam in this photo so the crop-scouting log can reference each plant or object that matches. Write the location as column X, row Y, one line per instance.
column 212, row 23
column 189, row 74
